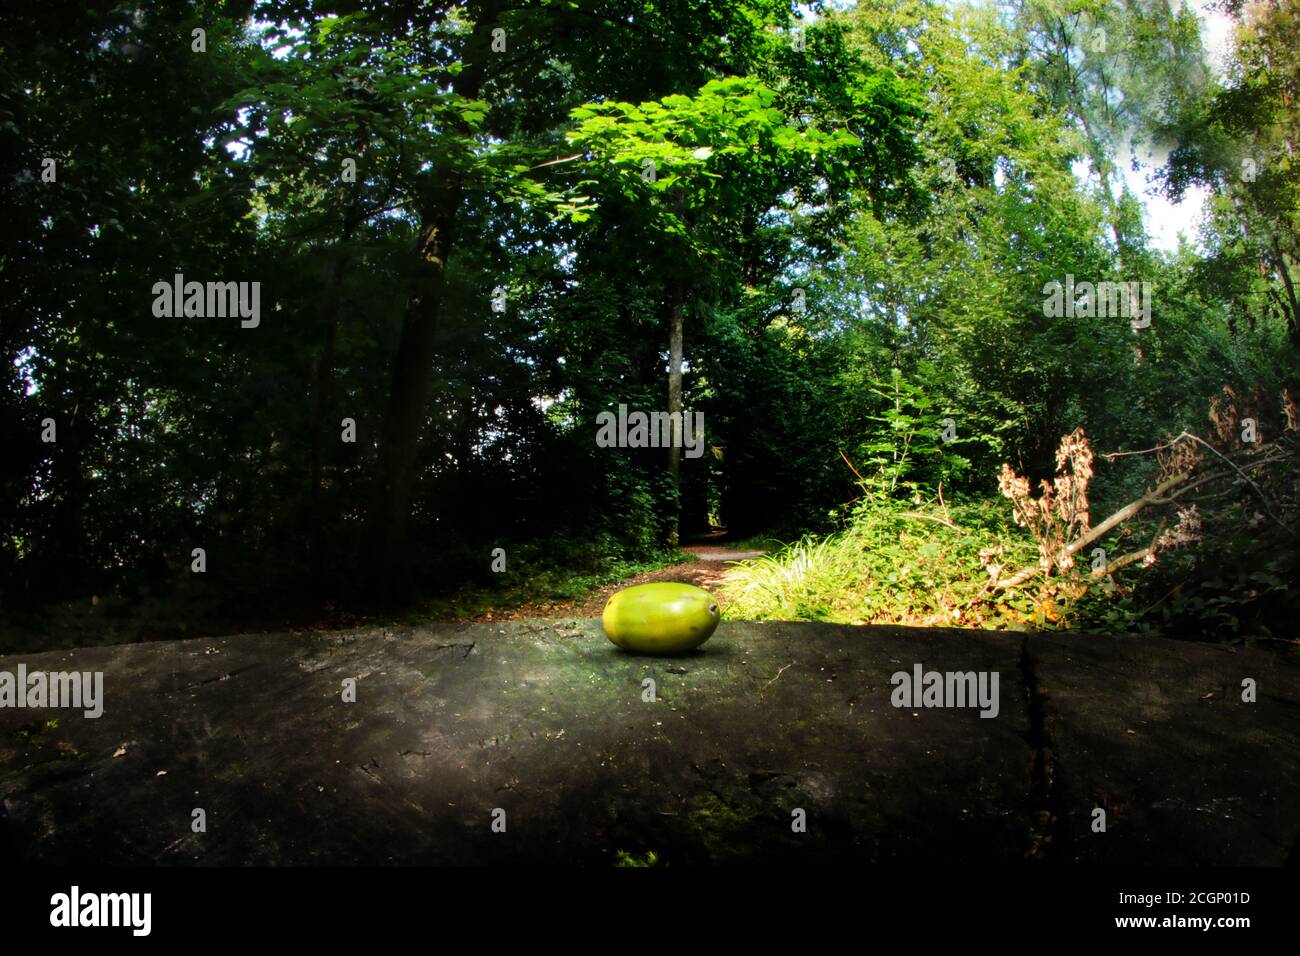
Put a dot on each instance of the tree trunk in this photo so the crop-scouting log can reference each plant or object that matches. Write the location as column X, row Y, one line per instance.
column 675, row 404
column 321, row 374
column 408, row 396
column 1293, row 320
column 677, row 296
column 331, row 310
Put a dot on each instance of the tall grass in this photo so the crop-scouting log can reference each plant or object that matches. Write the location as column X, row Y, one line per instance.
column 897, row 562
column 803, row 581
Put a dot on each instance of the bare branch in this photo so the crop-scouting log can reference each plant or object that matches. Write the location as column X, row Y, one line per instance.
column 1155, row 496
column 1123, row 561
column 935, row 518
column 850, row 464
column 1244, row 477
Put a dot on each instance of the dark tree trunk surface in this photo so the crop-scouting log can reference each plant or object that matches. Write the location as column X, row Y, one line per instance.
column 547, row 721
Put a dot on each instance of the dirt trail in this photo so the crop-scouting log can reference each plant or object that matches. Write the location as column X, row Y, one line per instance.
column 710, row 562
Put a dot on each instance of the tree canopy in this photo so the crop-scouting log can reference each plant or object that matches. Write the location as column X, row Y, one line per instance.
column 830, row 229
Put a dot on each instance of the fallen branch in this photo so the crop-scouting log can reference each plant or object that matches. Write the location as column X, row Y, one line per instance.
column 1270, row 456
column 1244, row 477
column 1156, row 496
column 1167, row 492
column 1130, row 558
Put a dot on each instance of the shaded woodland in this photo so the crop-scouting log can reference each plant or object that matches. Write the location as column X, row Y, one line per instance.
column 830, row 229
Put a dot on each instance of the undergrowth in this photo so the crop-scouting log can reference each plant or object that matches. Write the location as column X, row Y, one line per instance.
column 538, row 573
column 898, row 562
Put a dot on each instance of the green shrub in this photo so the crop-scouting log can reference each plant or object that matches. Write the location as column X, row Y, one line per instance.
column 897, row 562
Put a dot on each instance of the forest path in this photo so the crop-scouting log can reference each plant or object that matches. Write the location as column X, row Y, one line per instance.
column 710, row 562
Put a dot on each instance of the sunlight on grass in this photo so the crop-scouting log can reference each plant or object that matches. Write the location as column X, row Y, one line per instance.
column 897, row 563
column 800, row 582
